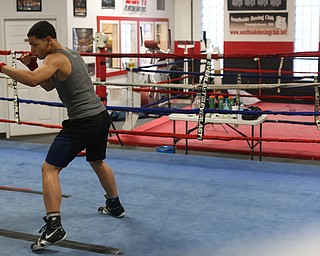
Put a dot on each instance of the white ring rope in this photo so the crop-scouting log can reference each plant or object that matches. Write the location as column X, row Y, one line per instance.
column 212, row 87
column 196, row 86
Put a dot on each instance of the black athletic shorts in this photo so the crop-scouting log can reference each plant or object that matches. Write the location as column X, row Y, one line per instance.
column 78, row 134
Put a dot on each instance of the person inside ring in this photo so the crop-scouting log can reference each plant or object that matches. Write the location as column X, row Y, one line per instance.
column 87, row 125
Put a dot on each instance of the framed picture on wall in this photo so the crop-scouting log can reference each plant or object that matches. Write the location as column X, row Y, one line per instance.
column 161, row 5
column 91, row 68
column 82, row 39
column 259, row 5
column 29, row 5
column 80, row 8
column 108, row 4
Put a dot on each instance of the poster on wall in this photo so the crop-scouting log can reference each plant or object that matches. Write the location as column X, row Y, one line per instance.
column 161, row 5
column 135, row 5
column 257, row 24
column 80, row 8
column 82, row 39
column 108, row 4
column 247, row 5
column 29, row 5
column 91, row 68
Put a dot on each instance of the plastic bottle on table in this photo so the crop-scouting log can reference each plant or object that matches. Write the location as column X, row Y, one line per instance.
column 212, row 101
column 232, row 106
column 212, row 105
column 226, row 107
column 240, row 109
column 230, row 102
column 220, row 102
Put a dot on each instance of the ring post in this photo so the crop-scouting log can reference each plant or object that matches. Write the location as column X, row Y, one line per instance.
column 131, row 118
column 15, row 91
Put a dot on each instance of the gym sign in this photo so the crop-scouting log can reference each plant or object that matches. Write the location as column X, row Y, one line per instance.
column 135, row 5
column 257, row 24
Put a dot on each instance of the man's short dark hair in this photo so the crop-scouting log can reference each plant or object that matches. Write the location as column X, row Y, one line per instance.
column 42, row 29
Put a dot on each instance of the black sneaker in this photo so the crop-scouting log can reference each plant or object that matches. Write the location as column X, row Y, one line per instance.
column 53, row 232
column 113, row 207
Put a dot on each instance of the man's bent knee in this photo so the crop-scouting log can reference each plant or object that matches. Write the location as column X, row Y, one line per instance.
column 96, row 163
column 46, row 167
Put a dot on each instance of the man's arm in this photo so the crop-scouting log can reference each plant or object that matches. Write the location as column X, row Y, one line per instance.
column 40, row 76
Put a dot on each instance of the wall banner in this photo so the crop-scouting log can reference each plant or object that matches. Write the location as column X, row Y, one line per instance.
column 257, row 24
column 135, row 5
column 248, row 5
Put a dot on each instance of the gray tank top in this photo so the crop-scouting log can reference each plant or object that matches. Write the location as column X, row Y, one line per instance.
column 77, row 91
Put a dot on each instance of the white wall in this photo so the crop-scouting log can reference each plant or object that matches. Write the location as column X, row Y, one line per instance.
column 182, row 20
column 94, row 9
column 50, row 9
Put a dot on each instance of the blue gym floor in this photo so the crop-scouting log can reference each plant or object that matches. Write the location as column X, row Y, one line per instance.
column 175, row 205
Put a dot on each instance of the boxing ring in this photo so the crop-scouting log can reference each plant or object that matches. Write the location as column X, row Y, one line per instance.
column 303, row 116
column 176, row 204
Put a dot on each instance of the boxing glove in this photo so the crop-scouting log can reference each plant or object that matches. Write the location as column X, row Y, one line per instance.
column 33, row 61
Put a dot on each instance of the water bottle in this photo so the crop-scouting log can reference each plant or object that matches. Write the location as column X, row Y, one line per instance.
column 212, row 101
column 241, row 109
column 220, row 102
column 231, row 102
column 196, row 101
column 226, row 107
column 231, row 106
column 226, row 104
